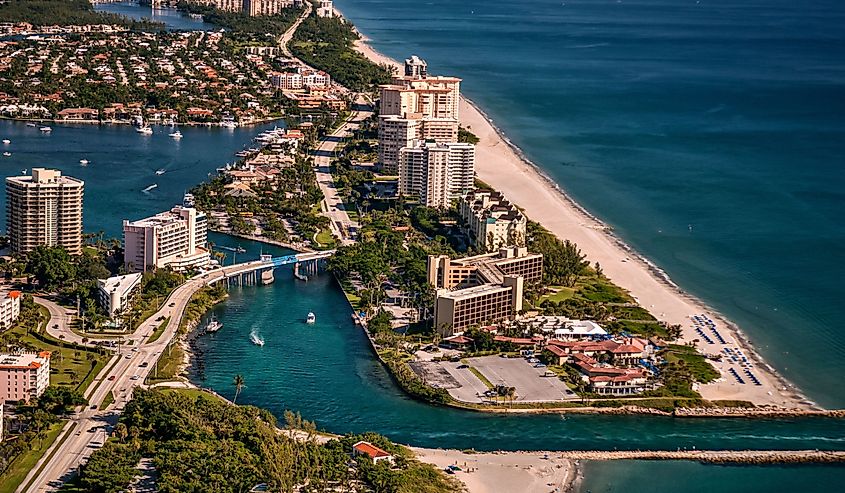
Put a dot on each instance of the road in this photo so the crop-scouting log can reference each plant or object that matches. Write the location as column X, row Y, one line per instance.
column 133, row 365
column 287, row 35
column 332, row 206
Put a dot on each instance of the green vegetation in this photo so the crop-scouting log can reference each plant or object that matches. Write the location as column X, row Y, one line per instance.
column 159, row 331
column 108, row 400
column 327, row 43
column 696, row 363
column 481, row 377
column 200, row 443
column 16, row 469
column 241, row 22
column 65, row 13
column 464, row 135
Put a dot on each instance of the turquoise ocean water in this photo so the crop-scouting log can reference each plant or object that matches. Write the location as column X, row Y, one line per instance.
column 654, row 115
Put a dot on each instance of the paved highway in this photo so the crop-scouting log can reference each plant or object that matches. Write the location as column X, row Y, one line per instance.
column 332, row 206
column 133, row 365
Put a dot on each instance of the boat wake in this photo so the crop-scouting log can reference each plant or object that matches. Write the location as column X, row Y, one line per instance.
column 255, row 338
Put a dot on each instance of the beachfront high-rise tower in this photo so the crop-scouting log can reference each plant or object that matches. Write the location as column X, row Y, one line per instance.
column 436, row 174
column 416, row 106
column 44, row 209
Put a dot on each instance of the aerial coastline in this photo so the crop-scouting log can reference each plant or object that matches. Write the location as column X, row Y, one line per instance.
column 499, row 161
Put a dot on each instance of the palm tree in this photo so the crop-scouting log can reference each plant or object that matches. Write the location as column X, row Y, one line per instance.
column 239, row 384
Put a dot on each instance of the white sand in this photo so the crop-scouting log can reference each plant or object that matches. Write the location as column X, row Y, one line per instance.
column 526, row 472
column 499, row 165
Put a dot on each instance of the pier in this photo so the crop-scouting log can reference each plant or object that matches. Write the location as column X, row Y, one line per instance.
column 748, row 457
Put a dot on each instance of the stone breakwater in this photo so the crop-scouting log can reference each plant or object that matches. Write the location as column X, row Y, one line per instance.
column 681, row 412
column 748, row 457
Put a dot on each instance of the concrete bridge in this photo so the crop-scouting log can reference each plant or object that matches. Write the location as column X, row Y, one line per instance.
column 256, row 271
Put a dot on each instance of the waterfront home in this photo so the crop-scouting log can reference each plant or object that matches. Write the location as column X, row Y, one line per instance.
column 78, row 114
column 367, row 449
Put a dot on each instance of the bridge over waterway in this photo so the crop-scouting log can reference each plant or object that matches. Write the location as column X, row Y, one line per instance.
column 251, row 271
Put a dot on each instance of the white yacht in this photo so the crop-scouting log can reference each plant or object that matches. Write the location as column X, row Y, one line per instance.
column 7, row 154
column 7, row 141
column 311, row 318
column 146, row 130
column 30, row 124
column 213, row 325
column 161, row 171
column 176, row 135
column 84, row 162
column 45, row 129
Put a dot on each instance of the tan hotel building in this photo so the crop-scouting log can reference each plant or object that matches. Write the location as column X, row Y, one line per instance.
column 175, row 239
column 44, row 209
column 482, row 289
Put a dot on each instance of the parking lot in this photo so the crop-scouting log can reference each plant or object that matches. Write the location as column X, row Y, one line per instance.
column 530, row 384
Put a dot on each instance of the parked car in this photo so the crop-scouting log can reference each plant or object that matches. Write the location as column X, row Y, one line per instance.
column 144, row 364
column 135, row 377
column 463, row 367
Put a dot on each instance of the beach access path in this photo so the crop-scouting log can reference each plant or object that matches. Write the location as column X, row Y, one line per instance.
column 500, row 165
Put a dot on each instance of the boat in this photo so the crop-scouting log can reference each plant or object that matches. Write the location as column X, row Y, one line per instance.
column 7, row 154
column 240, row 249
column 146, row 130
column 255, row 338
column 161, row 171
column 311, row 318
column 213, row 325
column 7, row 141
column 46, row 130
column 30, row 124
column 84, row 162
column 176, row 135
column 154, row 185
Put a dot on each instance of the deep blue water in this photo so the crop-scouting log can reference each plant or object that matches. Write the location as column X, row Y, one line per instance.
column 170, row 17
column 122, row 164
column 658, row 115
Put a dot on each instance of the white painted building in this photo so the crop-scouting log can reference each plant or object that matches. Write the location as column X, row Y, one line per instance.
column 116, row 292
column 175, row 239
column 436, row 173
column 492, row 221
column 10, row 307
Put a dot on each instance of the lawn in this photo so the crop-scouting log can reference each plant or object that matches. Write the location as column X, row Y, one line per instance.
column 481, row 377
column 23, row 463
column 71, row 366
column 324, row 238
column 193, row 393
column 159, row 331
column 167, row 367
column 562, row 293
column 107, row 400
column 698, row 365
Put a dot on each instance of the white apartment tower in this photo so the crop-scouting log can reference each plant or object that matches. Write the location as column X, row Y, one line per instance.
column 436, row 173
column 44, row 209
column 175, row 239
column 416, row 106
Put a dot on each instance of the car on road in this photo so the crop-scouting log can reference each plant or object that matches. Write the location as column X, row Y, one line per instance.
column 463, row 367
column 172, row 304
column 129, row 356
column 93, row 406
column 111, row 377
column 134, row 349
column 144, row 364
column 55, row 326
column 135, row 377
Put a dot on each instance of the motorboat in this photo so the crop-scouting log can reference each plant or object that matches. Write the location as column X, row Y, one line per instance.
column 84, row 162
column 240, row 249
column 154, row 185
column 255, row 338
column 45, row 130
column 30, row 124
column 146, row 130
column 311, row 318
column 7, row 141
column 213, row 325
column 176, row 135
column 7, row 154
column 161, row 171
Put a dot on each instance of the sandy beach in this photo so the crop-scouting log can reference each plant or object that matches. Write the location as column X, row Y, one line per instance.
column 488, row 472
column 500, row 164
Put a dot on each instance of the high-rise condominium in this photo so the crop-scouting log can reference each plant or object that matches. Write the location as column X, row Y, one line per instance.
column 44, row 209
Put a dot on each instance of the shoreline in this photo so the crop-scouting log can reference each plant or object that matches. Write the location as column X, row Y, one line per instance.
column 499, row 161
column 54, row 121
